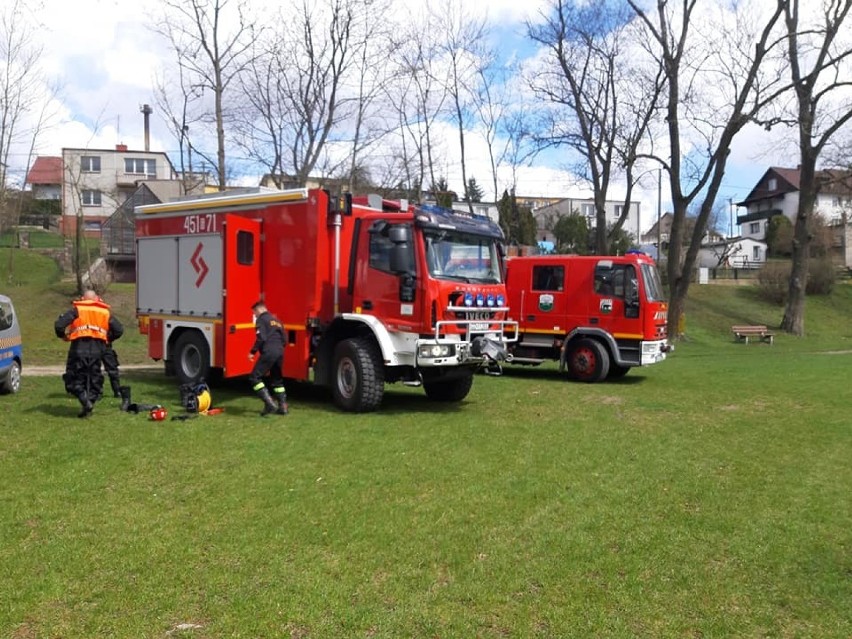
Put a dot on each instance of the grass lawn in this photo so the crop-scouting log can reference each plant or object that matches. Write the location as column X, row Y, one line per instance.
column 707, row 496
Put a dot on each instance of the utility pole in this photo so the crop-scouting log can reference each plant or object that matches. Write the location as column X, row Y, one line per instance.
column 731, row 216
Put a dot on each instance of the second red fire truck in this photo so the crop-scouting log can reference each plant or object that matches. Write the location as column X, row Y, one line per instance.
column 370, row 291
column 598, row 316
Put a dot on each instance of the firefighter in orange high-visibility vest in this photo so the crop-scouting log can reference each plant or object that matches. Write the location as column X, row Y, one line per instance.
column 270, row 345
column 87, row 325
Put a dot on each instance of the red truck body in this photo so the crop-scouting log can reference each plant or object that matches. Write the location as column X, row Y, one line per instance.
column 363, row 290
column 598, row 316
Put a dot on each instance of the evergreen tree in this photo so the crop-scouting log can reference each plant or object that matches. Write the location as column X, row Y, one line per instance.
column 571, row 233
column 473, row 192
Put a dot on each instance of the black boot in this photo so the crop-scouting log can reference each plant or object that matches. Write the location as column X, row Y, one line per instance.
column 269, row 406
column 116, row 387
column 124, row 391
column 87, row 407
column 283, row 408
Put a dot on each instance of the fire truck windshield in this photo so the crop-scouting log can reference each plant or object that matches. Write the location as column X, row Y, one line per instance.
column 653, row 285
column 463, row 257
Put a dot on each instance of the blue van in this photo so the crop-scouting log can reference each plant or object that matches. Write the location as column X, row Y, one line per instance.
column 10, row 348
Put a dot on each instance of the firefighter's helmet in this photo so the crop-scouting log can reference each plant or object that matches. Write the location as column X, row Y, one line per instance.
column 204, row 400
column 159, row 414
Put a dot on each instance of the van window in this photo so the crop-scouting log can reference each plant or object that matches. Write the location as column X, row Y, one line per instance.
column 7, row 316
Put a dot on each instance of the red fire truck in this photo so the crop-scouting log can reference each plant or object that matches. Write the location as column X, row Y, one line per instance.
column 370, row 291
column 598, row 316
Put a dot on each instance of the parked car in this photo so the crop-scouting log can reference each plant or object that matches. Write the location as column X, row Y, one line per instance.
column 10, row 347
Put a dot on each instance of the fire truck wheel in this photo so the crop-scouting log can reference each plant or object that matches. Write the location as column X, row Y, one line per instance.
column 588, row 361
column 454, row 390
column 359, row 376
column 191, row 358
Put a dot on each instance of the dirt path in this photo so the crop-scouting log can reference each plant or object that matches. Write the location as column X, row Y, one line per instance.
column 46, row 371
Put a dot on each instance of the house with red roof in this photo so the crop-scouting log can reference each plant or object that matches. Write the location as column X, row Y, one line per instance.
column 45, row 178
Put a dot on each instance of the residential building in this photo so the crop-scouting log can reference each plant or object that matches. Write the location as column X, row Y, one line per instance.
column 546, row 216
column 45, row 178
column 734, row 252
column 777, row 193
column 96, row 182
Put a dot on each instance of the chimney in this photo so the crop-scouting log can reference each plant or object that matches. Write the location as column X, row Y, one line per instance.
column 146, row 113
column 121, row 147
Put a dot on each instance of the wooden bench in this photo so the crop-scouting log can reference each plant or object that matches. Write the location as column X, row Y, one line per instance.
column 742, row 333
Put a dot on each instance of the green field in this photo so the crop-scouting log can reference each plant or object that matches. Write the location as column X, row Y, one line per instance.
column 707, row 496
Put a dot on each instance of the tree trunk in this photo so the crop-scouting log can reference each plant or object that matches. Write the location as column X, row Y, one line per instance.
column 794, row 312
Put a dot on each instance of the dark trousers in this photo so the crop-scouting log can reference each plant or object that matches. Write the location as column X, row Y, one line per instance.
column 83, row 376
column 270, row 361
column 110, row 360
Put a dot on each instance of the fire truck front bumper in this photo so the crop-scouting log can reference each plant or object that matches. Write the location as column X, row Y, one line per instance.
column 482, row 350
column 654, row 352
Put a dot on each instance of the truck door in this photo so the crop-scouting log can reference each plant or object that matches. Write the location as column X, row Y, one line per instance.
column 242, row 289
column 388, row 288
column 544, row 303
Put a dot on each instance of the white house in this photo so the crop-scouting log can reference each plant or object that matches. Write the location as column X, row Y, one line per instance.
column 735, row 252
column 547, row 216
column 777, row 193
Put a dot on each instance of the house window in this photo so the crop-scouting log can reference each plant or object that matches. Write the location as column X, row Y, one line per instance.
column 618, row 210
column 755, row 253
column 90, row 164
column 140, row 166
column 754, row 227
column 773, row 184
column 588, row 209
column 91, row 198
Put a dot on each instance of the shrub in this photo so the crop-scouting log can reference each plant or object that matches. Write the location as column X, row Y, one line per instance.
column 773, row 280
column 821, row 276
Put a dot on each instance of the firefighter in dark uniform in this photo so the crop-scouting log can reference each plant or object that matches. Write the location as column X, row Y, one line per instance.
column 270, row 345
column 87, row 326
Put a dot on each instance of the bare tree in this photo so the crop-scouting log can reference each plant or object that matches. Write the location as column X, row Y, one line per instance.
column 491, row 105
column 588, row 78
column 210, row 41
column 182, row 112
column 724, row 51
column 419, row 96
column 462, row 46
column 295, row 90
column 819, row 62
column 25, row 106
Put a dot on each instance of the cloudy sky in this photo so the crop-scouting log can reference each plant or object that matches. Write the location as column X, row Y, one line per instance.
column 105, row 60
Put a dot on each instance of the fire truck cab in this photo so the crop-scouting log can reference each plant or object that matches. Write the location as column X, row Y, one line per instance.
column 370, row 291
column 599, row 316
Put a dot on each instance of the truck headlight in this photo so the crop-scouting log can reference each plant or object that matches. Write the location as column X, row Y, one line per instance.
column 434, row 351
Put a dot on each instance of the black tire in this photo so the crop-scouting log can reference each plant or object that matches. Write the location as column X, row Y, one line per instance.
column 358, row 382
column 454, row 390
column 191, row 358
column 12, row 382
column 588, row 361
column 616, row 371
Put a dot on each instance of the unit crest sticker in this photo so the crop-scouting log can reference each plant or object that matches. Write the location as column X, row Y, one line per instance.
column 606, row 306
column 545, row 302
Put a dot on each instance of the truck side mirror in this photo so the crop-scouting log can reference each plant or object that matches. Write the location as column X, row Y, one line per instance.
column 401, row 259
column 401, row 255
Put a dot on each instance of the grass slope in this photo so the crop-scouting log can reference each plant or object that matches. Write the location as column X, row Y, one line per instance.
column 706, row 496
